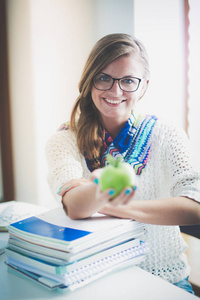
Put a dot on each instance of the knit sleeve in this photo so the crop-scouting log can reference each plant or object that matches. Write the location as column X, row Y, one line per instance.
column 184, row 178
column 63, row 159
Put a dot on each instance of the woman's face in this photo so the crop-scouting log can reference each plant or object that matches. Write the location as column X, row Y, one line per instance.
column 114, row 104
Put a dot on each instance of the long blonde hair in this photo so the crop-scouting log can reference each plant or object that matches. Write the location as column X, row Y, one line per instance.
column 85, row 118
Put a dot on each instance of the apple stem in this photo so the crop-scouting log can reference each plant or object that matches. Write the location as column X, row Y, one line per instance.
column 114, row 162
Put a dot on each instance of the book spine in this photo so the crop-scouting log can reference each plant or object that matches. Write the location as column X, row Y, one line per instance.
column 105, row 264
column 34, row 262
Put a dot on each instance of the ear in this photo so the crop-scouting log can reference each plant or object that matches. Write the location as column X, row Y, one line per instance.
column 146, row 84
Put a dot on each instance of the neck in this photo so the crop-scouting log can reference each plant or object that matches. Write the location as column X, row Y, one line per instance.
column 113, row 126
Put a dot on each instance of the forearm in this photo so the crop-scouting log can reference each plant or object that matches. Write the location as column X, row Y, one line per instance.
column 171, row 211
column 80, row 202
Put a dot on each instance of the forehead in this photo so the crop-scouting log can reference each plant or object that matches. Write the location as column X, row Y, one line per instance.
column 129, row 65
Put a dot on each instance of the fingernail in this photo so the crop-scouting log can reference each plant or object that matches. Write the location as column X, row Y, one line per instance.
column 135, row 188
column 58, row 192
column 128, row 191
column 96, row 181
column 111, row 192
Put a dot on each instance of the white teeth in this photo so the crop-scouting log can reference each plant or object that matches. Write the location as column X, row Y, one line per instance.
column 113, row 101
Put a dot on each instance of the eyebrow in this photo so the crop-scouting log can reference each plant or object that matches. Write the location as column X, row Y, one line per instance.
column 116, row 78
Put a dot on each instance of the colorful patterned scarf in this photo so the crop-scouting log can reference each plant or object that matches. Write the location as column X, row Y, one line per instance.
column 133, row 143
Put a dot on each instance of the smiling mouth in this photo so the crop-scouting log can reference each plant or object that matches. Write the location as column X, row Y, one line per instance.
column 111, row 101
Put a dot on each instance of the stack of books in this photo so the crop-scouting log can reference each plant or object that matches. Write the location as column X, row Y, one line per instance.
column 60, row 253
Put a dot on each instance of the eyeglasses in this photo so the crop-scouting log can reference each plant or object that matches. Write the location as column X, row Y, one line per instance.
column 104, row 82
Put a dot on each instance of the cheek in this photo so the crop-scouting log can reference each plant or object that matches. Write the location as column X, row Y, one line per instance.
column 96, row 95
column 93, row 94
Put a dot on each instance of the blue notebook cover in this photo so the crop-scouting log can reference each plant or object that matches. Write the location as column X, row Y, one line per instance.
column 54, row 229
column 39, row 227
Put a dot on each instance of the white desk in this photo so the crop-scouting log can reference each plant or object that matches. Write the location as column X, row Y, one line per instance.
column 130, row 283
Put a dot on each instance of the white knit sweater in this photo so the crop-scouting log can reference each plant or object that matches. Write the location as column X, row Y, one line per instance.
column 169, row 172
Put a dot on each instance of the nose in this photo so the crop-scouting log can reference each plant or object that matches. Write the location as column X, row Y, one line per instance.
column 116, row 88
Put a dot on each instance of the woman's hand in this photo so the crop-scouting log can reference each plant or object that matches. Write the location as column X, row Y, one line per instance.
column 69, row 185
column 82, row 197
column 123, row 198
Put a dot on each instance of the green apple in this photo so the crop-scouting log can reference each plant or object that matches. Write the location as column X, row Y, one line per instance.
column 117, row 175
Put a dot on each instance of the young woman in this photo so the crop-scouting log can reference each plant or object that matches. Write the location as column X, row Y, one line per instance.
column 103, row 120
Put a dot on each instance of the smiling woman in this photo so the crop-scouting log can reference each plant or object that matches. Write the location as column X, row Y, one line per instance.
column 104, row 121
column 115, row 56
column 119, row 93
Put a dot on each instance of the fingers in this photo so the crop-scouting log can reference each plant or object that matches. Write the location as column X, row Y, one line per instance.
column 94, row 176
column 103, row 197
column 124, row 197
column 66, row 187
column 63, row 189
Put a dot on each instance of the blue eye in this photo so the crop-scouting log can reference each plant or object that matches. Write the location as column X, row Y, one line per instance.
column 128, row 81
column 103, row 78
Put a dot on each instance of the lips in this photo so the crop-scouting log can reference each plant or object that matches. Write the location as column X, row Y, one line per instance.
column 114, row 101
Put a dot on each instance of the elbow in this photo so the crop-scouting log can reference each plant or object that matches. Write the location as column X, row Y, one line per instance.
column 196, row 214
column 74, row 214
column 77, row 216
column 192, row 212
column 69, row 212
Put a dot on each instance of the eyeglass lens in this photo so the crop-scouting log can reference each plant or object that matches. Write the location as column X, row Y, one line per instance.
column 105, row 82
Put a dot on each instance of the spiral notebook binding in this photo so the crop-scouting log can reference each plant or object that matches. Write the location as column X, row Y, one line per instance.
column 84, row 273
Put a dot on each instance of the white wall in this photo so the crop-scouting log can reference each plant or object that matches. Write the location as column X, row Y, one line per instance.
column 113, row 16
column 61, row 40
column 22, row 100
column 48, row 43
column 159, row 25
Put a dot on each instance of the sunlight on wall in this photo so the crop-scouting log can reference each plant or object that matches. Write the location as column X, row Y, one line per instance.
column 47, row 50
column 59, row 48
column 159, row 25
column 22, row 100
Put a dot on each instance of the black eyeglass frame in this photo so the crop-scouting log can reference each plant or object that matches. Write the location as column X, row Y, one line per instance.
column 118, row 79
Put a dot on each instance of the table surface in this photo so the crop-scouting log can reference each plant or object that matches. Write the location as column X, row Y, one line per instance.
column 129, row 283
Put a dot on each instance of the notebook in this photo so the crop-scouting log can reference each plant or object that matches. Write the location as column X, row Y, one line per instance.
column 54, row 229
column 99, row 265
column 75, row 281
column 57, row 266
column 54, row 266
column 90, row 248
